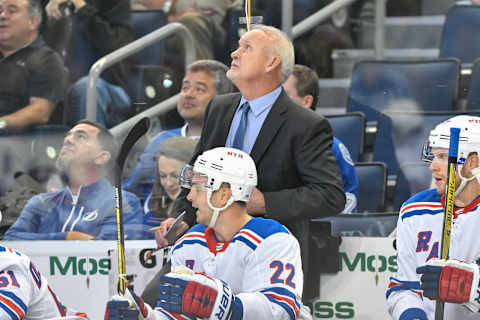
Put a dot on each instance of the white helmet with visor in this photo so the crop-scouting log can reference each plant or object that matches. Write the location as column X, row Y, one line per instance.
column 222, row 165
column 469, row 142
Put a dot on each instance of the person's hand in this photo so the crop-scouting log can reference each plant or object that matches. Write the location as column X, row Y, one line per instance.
column 54, row 8
column 256, row 203
column 160, row 234
column 197, row 295
column 128, row 307
column 77, row 235
column 450, row 281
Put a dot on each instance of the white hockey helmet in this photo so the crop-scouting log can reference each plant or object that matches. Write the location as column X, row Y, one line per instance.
column 469, row 137
column 222, row 165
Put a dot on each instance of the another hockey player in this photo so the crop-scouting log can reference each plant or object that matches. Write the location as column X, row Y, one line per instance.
column 232, row 266
column 25, row 293
column 421, row 276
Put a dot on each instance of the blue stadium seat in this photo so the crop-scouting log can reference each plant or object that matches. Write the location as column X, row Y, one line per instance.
column 473, row 98
column 380, row 86
column 350, row 129
column 459, row 34
column 362, row 225
column 372, row 185
column 143, row 23
column 412, row 177
column 400, row 136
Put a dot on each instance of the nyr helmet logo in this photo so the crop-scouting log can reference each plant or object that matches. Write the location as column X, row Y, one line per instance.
column 235, row 154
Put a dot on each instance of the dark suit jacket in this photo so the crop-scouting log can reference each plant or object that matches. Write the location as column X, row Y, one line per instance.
column 297, row 171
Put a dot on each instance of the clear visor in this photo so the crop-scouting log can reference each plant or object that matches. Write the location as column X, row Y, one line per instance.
column 190, row 178
column 427, row 154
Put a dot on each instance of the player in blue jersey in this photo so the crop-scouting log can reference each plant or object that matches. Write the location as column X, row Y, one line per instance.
column 422, row 277
column 230, row 265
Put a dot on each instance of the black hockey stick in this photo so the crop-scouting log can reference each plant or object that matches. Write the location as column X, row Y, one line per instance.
column 138, row 130
column 449, row 202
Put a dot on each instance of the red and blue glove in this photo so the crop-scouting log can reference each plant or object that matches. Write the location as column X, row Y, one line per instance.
column 198, row 295
column 451, row 281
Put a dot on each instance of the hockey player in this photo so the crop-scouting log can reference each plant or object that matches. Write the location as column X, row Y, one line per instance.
column 25, row 293
column 422, row 277
column 232, row 266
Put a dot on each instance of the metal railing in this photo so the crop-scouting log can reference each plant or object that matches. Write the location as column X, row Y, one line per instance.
column 293, row 32
column 130, row 49
column 321, row 15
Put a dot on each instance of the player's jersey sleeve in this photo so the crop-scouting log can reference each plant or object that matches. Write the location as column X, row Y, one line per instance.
column 24, row 292
column 404, row 289
column 274, row 283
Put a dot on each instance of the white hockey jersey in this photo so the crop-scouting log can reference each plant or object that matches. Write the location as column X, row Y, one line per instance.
column 261, row 264
column 24, row 292
column 419, row 234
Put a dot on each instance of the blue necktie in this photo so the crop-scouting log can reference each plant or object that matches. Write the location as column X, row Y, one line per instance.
column 242, row 127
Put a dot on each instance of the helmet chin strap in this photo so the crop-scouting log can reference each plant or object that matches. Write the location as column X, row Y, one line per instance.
column 464, row 181
column 216, row 211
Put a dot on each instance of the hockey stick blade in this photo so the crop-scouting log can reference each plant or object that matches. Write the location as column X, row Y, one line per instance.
column 137, row 131
column 449, row 203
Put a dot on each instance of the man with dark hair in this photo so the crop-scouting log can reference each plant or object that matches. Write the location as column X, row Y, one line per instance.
column 203, row 80
column 33, row 76
column 85, row 209
column 303, row 88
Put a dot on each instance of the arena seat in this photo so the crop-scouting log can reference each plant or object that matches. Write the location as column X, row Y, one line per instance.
column 381, row 86
column 372, row 185
column 350, row 129
column 473, row 98
column 143, row 23
column 461, row 27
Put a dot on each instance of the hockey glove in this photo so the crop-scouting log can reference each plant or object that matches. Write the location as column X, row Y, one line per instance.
column 129, row 307
column 199, row 296
column 450, row 281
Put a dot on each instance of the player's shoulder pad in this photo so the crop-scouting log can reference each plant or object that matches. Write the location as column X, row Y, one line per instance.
column 194, row 235
column 9, row 255
column 259, row 229
column 425, row 202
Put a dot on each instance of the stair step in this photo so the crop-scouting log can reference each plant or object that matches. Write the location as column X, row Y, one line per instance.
column 421, row 32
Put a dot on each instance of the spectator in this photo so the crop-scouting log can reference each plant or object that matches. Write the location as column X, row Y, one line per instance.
column 85, row 209
column 420, row 274
column 302, row 87
column 203, row 80
column 94, row 29
column 33, row 76
column 170, row 159
column 298, row 175
column 231, row 262
column 203, row 18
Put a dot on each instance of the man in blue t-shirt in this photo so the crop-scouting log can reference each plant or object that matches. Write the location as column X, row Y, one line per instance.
column 302, row 87
column 203, row 80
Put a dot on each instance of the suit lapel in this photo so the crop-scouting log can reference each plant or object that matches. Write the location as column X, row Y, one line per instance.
column 275, row 119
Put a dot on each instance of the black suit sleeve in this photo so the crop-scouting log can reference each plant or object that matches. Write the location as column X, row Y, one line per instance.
column 321, row 191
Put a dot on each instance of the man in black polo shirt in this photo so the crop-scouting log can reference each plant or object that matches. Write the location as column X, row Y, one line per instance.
column 32, row 76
